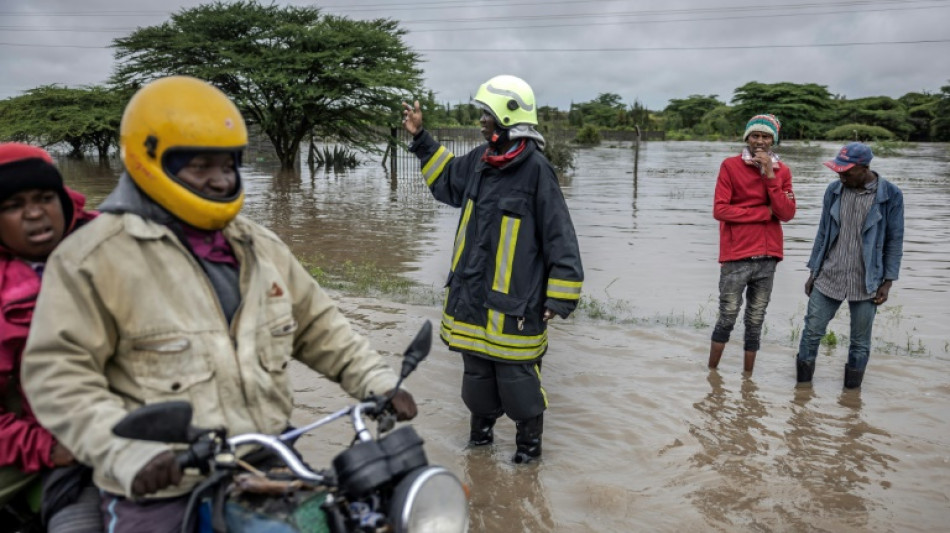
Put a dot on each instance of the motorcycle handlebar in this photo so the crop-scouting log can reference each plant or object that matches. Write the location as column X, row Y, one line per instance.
column 282, row 450
column 199, row 454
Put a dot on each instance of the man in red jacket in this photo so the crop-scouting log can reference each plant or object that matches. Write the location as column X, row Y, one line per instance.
column 36, row 212
column 753, row 197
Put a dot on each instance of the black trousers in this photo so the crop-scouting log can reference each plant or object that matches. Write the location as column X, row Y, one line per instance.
column 490, row 388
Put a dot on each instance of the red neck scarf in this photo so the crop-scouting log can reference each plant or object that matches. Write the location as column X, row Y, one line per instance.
column 499, row 161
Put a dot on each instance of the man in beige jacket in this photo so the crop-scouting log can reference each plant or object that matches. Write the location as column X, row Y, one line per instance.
column 171, row 295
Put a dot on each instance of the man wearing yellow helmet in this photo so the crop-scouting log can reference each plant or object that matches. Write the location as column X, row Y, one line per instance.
column 172, row 295
column 516, row 263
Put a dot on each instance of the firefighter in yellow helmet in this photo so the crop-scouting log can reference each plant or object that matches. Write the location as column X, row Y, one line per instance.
column 170, row 294
column 516, row 262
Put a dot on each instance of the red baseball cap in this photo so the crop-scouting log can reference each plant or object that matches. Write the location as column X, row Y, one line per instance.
column 853, row 154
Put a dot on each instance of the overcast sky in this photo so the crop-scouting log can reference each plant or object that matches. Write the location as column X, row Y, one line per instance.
column 568, row 50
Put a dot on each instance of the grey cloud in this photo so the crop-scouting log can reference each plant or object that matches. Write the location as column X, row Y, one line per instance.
column 653, row 77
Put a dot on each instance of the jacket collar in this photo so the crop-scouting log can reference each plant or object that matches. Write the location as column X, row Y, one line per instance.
column 153, row 221
column 530, row 148
column 882, row 195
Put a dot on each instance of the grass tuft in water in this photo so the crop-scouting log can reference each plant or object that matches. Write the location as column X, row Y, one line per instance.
column 368, row 279
column 830, row 340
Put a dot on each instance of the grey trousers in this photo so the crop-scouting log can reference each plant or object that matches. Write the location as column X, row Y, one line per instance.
column 754, row 277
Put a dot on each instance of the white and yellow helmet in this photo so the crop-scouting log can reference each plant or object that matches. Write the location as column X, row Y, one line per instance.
column 181, row 114
column 509, row 99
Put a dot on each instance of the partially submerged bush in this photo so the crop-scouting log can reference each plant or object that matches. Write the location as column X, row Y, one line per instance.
column 859, row 132
column 588, row 136
column 560, row 154
column 338, row 159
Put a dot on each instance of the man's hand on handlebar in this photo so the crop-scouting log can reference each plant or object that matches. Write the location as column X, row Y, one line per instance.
column 161, row 472
column 403, row 404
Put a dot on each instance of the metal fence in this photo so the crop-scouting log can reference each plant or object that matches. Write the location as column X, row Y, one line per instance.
column 462, row 140
column 399, row 164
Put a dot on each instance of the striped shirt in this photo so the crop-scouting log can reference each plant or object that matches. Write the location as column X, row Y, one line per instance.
column 842, row 272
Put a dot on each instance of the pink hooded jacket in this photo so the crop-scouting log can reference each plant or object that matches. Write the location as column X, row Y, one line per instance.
column 23, row 442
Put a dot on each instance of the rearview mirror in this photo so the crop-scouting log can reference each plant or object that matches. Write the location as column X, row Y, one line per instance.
column 418, row 349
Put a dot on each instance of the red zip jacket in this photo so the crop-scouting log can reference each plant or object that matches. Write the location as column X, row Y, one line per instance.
column 743, row 199
column 23, row 442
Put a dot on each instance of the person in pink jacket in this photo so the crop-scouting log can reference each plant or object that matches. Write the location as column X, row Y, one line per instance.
column 36, row 212
column 753, row 197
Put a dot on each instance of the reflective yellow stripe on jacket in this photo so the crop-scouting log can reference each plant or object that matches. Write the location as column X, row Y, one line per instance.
column 434, row 167
column 491, row 341
column 564, row 289
column 460, row 234
column 505, row 255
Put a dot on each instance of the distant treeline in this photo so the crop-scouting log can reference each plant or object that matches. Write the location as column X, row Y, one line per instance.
column 806, row 111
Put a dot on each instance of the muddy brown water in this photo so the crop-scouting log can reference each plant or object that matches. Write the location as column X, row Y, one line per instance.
column 640, row 436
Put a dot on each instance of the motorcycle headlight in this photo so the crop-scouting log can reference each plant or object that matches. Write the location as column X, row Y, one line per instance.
column 429, row 499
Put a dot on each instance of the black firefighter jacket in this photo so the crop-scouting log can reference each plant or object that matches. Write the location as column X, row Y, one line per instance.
column 515, row 251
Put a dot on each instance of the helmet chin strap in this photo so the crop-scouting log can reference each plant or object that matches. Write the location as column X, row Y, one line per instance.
column 499, row 138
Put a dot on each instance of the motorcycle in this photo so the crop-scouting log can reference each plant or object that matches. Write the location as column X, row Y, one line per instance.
column 379, row 484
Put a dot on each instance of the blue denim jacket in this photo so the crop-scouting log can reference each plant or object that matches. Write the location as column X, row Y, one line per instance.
column 882, row 237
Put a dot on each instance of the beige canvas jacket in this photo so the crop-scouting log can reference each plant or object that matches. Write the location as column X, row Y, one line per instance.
column 126, row 317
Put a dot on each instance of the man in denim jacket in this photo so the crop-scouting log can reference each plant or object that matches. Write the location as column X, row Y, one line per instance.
column 856, row 256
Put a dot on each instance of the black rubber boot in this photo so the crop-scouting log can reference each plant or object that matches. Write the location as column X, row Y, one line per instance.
column 528, row 439
column 805, row 371
column 852, row 377
column 482, row 433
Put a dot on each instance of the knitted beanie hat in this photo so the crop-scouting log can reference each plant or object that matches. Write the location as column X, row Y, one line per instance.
column 764, row 123
column 24, row 167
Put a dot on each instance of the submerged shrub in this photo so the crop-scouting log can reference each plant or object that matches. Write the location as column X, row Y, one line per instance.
column 588, row 136
column 338, row 159
column 858, row 132
column 560, row 154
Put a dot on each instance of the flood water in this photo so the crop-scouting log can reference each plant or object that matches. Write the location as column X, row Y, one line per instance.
column 640, row 435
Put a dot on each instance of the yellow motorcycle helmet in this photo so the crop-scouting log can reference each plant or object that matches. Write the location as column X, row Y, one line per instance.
column 509, row 99
column 174, row 115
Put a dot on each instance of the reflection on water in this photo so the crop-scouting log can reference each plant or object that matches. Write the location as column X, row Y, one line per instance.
column 813, row 476
column 734, row 442
column 501, row 491
column 835, row 455
column 640, row 435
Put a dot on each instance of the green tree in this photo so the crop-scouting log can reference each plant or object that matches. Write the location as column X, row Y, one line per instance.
column 804, row 109
column 575, row 117
column 639, row 115
column 85, row 118
column 689, row 112
column 718, row 121
column 605, row 111
column 940, row 127
column 880, row 111
column 292, row 71
column 921, row 110
column 467, row 114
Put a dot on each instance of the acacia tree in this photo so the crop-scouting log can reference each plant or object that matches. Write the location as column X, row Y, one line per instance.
column 84, row 118
column 803, row 108
column 291, row 71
